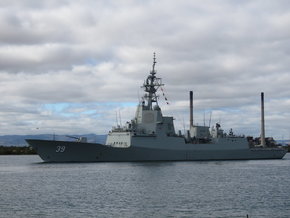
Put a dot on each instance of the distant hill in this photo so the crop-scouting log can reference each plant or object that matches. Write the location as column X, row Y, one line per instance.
column 19, row 140
column 283, row 142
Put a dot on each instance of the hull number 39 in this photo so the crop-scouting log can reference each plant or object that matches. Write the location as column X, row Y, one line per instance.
column 60, row 149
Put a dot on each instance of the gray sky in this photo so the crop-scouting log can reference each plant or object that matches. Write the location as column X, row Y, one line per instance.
column 70, row 66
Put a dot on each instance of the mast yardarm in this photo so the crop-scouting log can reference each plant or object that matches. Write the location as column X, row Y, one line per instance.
column 151, row 85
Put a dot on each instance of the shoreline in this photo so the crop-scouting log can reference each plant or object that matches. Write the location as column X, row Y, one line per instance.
column 16, row 150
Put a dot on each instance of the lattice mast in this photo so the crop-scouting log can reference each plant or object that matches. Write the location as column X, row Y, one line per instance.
column 151, row 85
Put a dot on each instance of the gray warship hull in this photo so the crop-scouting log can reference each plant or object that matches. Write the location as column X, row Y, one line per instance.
column 150, row 136
column 64, row 151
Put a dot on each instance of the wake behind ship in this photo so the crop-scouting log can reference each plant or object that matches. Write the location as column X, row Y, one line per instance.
column 150, row 136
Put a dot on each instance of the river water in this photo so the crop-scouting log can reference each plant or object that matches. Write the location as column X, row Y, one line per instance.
column 257, row 188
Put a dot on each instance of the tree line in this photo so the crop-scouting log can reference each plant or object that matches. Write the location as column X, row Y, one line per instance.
column 15, row 150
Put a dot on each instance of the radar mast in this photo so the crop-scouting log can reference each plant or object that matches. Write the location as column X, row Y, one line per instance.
column 151, row 85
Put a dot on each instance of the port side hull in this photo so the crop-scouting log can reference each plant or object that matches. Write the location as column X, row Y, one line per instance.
column 62, row 151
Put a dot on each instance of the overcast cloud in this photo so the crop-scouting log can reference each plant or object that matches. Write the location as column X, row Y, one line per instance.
column 69, row 67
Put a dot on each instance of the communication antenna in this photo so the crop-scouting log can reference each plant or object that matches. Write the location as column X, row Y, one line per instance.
column 183, row 125
column 209, row 122
column 120, row 118
column 117, row 119
column 138, row 95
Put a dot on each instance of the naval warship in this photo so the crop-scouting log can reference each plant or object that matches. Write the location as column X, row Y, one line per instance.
column 151, row 136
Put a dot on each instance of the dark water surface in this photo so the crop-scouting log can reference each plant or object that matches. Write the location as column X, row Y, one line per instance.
column 259, row 188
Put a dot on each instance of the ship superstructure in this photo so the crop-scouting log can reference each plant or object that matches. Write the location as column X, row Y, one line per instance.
column 150, row 136
column 148, row 120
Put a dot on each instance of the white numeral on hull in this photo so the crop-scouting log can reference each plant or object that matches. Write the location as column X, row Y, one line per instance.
column 60, row 149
